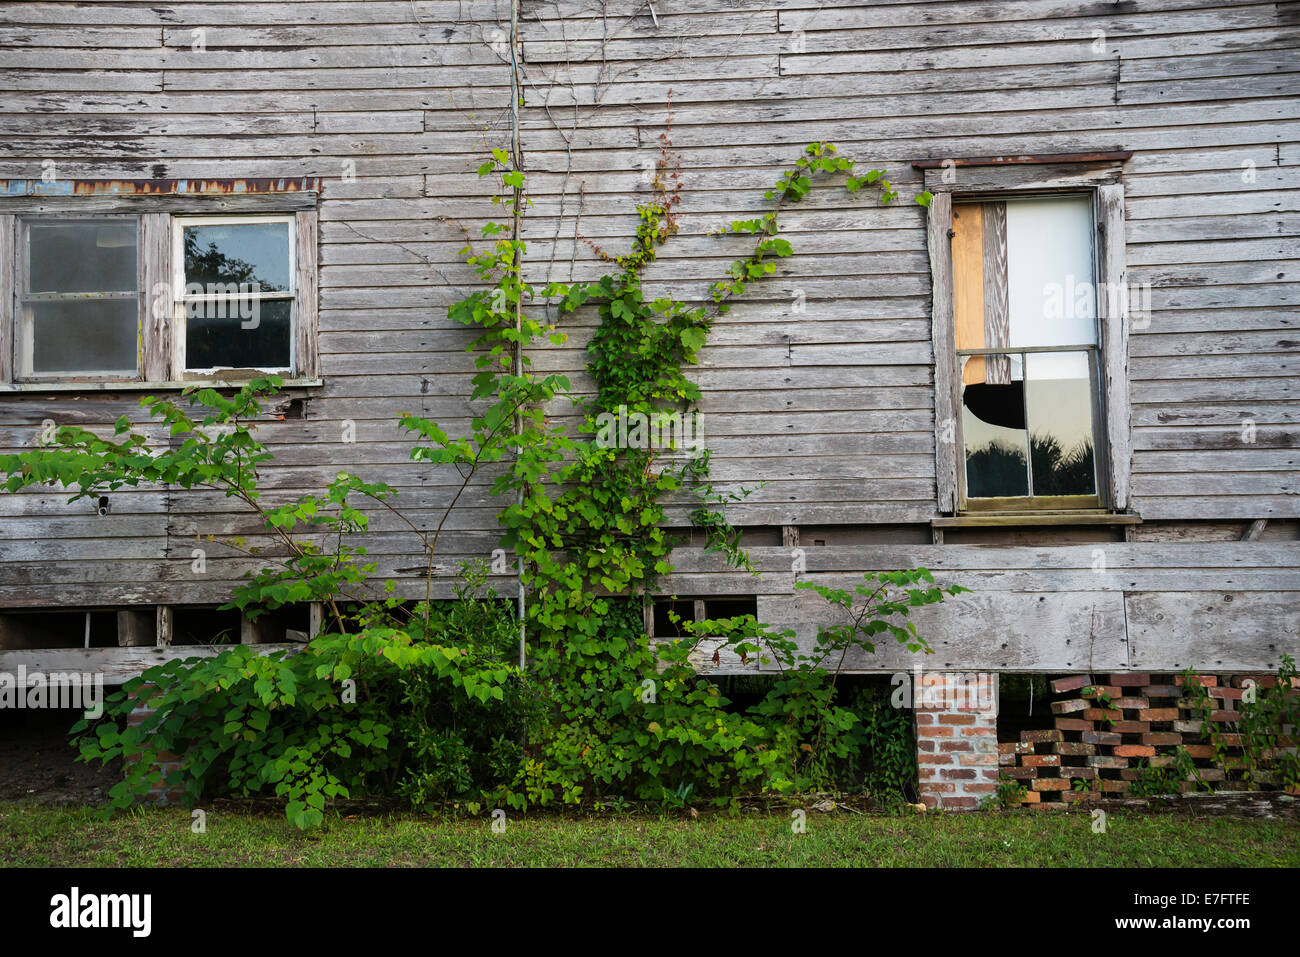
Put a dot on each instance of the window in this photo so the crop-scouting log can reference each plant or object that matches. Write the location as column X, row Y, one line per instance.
column 1030, row 335
column 1026, row 341
column 234, row 293
column 122, row 284
column 79, row 311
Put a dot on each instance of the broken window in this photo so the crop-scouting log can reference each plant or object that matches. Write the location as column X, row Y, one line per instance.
column 1025, row 317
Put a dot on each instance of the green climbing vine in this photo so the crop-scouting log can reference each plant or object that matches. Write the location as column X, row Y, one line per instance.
column 588, row 523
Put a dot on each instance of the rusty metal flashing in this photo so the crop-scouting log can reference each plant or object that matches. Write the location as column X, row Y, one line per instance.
column 126, row 188
column 1108, row 156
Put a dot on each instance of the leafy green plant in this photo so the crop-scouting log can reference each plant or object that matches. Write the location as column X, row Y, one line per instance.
column 817, row 734
column 1266, row 726
column 1269, row 729
column 1009, row 793
column 679, row 798
column 881, row 755
column 1102, row 700
column 587, row 523
column 1185, row 767
column 439, row 711
column 1091, row 786
column 285, row 724
column 1167, row 779
column 1155, row 781
column 214, row 447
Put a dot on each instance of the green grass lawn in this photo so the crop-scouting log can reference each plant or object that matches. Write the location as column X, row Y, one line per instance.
column 33, row 835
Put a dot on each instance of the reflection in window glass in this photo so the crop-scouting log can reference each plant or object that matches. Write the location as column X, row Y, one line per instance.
column 1059, row 398
column 217, row 338
column 993, row 427
column 82, row 257
column 238, row 295
column 96, row 335
column 81, row 305
column 1028, row 434
column 240, row 253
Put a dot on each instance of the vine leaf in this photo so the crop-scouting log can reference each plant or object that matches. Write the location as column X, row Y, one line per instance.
column 693, row 339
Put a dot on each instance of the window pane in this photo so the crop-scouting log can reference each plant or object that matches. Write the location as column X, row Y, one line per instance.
column 240, row 253
column 993, row 426
column 216, row 336
column 1050, row 294
column 1059, row 394
column 85, row 336
column 82, row 257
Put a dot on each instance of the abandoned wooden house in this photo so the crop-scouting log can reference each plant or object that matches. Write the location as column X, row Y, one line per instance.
column 1069, row 384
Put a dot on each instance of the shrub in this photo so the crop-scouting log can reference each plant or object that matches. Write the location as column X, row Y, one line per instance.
column 428, row 714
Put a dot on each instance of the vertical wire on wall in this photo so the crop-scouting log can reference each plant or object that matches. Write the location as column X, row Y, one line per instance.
column 517, row 160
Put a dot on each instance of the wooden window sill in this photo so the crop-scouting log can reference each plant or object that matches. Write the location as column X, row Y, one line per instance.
column 1013, row 519
column 136, row 386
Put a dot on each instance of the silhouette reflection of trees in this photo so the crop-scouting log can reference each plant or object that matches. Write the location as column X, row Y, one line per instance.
column 210, row 265
column 232, row 334
column 998, row 470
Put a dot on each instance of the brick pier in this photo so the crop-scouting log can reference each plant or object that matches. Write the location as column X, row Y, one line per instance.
column 957, row 739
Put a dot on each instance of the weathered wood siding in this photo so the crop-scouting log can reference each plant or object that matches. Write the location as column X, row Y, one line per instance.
column 820, row 383
column 1104, row 607
column 375, row 98
column 833, row 406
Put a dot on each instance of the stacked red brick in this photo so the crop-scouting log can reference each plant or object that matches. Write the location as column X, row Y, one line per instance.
column 1103, row 734
column 956, row 743
column 167, row 763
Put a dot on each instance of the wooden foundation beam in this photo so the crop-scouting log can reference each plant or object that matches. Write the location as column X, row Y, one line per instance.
column 165, row 625
column 135, row 628
column 16, row 633
column 260, row 632
column 1255, row 530
column 115, row 664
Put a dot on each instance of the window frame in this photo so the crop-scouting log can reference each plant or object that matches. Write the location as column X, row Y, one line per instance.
column 180, row 318
column 1038, row 503
column 989, row 179
column 22, row 321
column 154, row 204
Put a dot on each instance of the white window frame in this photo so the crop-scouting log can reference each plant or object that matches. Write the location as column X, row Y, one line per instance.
column 985, row 180
column 179, row 299
column 23, row 316
column 159, row 367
